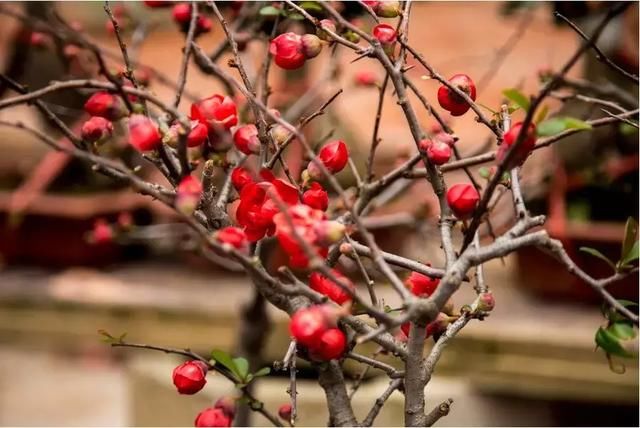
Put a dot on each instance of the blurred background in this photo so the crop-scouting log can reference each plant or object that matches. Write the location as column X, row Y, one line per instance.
column 532, row 362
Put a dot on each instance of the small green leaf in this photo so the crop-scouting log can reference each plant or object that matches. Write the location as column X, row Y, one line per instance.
column 241, row 367
column 224, row 360
column 262, row 372
column 295, row 16
column 627, row 303
column 631, row 256
column 622, row 330
column 311, row 6
column 270, row 11
column 542, row 114
column 556, row 125
column 513, row 108
column 484, row 172
column 517, row 97
column 610, row 343
column 628, row 130
column 598, row 254
column 630, row 233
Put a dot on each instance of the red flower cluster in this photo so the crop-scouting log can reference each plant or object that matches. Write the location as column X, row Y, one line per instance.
column 453, row 102
column 290, row 50
column 314, row 328
column 190, row 377
column 524, row 149
column 333, row 291
column 257, row 208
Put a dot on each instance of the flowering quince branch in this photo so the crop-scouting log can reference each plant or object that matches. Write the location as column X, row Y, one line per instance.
column 329, row 319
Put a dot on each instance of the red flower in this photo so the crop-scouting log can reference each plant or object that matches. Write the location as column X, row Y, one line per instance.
column 198, row 135
column 421, row 285
column 215, row 110
column 96, row 129
column 308, row 325
column 190, row 377
column 287, row 51
column 240, row 177
column 105, row 105
column 316, row 197
column 385, row 34
column 331, row 345
column 143, row 133
column 188, row 194
column 305, row 220
column 453, row 102
column 334, row 156
column 333, row 291
column 181, row 13
column 213, row 417
column 463, row 199
column 203, row 25
column 233, row 236
column 256, row 209
column 246, row 139
column 524, row 149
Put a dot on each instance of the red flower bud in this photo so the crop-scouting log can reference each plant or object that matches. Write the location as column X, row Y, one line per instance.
column 311, row 45
column 316, row 197
column 371, row 3
column 188, row 194
column 215, row 111
column 327, row 287
column 332, row 345
column 246, row 139
column 451, row 101
column 463, row 199
column 445, row 138
column 198, row 135
column 334, row 156
column 96, row 129
column 233, row 236
column 240, row 177
column 102, row 232
column 438, row 326
column 421, row 285
column 38, row 39
column 203, row 25
column 181, row 13
column 385, row 34
column 486, row 302
column 523, row 150
column 212, row 417
column 284, row 411
column 438, row 152
column 308, row 325
column 326, row 24
column 287, row 51
column 387, row 9
column 190, row 377
column 227, row 405
column 143, row 133
column 366, row 78
column 105, row 105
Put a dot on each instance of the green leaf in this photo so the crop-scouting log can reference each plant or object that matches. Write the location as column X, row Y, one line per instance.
column 598, row 254
column 627, row 130
column 270, row 11
column 627, row 303
column 295, row 16
column 542, row 114
column 518, row 98
column 262, row 372
column 513, row 108
column 610, row 343
column 556, row 125
column 630, row 233
column 631, row 256
column 622, row 330
column 224, row 360
column 311, row 6
column 241, row 367
column 484, row 172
